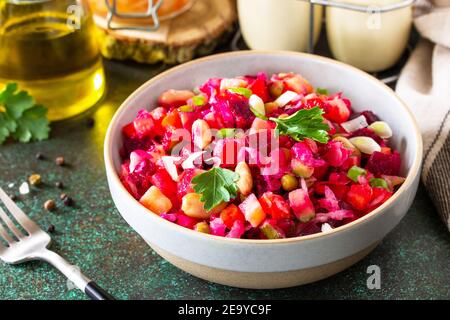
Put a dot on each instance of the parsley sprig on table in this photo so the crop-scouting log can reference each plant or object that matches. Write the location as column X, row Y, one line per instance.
column 20, row 117
column 216, row 185
column 305, row 123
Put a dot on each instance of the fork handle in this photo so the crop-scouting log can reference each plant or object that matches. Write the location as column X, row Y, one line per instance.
column 74, row 274
column 95, row 292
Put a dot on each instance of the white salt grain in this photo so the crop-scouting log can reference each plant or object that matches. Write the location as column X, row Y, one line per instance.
column 11, row 185
column 24, row 188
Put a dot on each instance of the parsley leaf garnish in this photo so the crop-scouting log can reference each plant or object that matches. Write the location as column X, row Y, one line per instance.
column 305, row 123
column 20, row 117
column 216, row 185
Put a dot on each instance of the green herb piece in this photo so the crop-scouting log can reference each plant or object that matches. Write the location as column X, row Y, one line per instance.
column 354, row 173
column 226, row 133
column 305, row 123
column 378, row 183
column 242, row 91
column 216, row 185
column 322, row 91
column 186, row 108
column 199, row 100
column 20, row 117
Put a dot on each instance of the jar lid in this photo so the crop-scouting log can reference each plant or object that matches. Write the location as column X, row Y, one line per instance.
column 144, row 15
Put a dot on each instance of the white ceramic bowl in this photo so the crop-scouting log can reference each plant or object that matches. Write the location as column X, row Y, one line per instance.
column 270, row 263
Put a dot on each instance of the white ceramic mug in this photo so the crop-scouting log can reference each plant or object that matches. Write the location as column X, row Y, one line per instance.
column 278, row 24
column 371, row 41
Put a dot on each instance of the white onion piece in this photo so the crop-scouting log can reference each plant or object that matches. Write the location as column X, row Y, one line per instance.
column 189, row 162
column 216, row 161
column 365, row 144
column 326, row 227
column 170, row 166
column 257, row 104
column 285, row 98
column 382, row 129
column 226, row 83
column 355, row 124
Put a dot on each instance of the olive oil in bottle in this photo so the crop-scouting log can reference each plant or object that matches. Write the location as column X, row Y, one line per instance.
column 58, row 64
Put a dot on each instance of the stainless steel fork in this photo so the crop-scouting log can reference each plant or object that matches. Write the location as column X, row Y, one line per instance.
column 18, row 247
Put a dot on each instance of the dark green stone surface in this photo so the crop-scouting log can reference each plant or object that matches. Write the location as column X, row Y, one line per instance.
column 414, row 258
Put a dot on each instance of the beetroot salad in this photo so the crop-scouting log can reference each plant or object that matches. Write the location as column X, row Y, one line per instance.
column 258, row 157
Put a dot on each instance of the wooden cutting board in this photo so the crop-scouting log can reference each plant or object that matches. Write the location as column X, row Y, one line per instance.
column 195, row 32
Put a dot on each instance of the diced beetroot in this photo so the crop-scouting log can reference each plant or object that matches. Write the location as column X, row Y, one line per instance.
column 237, row 230
column 337, row 110
column 359, row 196
column 336, row 153
column 187, row 119
column 379, row 196
column 231, row 214
column 172, row 217
column 214, row 120
column 158, row 115
column 211, row 87
column 338, row 215
column 301, row 205
column 304, row 229
column 279, row 163
column 330, row 202
column 288, row 226
column 340, row 191
column 302, row 151
column 140, row 162
column 164, row 182
column 275, row 206
column 129, row 131
column 186, row 221
column 350, row 162
column 174, row 98
column 259, row 87
column 369, row 115
column 184, row 184
column 387, row 164
column 313, row 102
column 321, row 171
column 217, row 227
column 227, row 150
column 144, row 124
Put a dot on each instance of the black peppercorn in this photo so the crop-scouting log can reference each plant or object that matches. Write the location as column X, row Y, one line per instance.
column 90, row 122
column 67, row 201
column 59, row 185
column 51, row 228
column 39, row 156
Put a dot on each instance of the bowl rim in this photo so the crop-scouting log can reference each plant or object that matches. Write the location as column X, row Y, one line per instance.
column 409, row 180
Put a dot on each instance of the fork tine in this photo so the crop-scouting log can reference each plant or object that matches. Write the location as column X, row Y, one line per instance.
column 10, row 224
column 4, row 235
column 18, row 214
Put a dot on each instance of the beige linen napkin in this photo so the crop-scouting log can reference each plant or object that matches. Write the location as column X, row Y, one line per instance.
column 425, row 85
